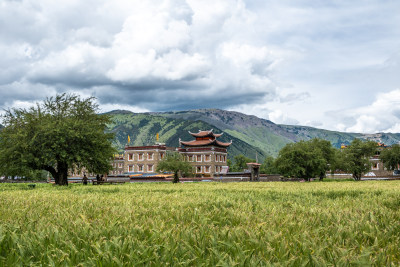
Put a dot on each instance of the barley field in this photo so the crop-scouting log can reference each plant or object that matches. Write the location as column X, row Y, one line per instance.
column 201, row 224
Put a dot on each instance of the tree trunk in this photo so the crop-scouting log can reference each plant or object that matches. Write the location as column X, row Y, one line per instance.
column 357, row 176
column 61, row 174
column 62, row 177
column 176, row 178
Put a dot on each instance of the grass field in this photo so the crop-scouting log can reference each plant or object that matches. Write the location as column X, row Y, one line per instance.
column 210, row 224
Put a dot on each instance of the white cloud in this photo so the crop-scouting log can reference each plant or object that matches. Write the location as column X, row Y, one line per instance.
column 278, row 116
column 288, row 61
column 383, row 115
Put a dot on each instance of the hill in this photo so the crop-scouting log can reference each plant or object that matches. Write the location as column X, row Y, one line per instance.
column 142, row 129
column 249, row 133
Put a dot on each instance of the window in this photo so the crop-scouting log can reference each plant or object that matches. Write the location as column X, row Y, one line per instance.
column 375, row 166
column 150, row 156
column 149, row 168
column 207, row 169
column 140, row 167
column 120, row 165
column 130, row 156
column 198, row 169
column 140, row 156
column 130, row 168
column 207, row 158
column 218, row 169
column 223, row 158
column 216, row 158
column 198, row 158
column 190, row 158
column 162, row 155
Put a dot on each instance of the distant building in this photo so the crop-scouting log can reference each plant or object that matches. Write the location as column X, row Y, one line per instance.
column 206, row 154
column 144, row 159
column 377, row 167
column 118, row 165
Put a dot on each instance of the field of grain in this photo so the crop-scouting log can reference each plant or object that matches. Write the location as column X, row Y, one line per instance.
column 210, row 224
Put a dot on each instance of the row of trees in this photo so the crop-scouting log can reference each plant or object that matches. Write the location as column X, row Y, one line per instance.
column 314, row 158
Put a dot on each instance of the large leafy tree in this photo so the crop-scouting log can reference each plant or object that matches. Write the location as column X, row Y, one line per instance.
column 356, row 158
column 300, row 160
column 174, row 162
column 61, row 134
column 305, row 159
column 391, row 157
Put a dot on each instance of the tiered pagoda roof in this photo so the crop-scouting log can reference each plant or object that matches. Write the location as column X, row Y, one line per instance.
column 205, row 138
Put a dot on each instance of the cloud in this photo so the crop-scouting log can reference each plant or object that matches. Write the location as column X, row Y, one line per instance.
column 278, row 116
column 165, row 55
column 288, row 61
column 380, row 116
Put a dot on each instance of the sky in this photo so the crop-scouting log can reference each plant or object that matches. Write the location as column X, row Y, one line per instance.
column 328, row 64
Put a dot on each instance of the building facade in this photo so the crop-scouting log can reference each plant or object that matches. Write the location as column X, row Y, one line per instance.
column 118, row 165
column 206, row 154
column 144, row 159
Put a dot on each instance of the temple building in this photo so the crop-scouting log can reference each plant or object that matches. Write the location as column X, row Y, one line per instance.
column 206, row 154
column 144, row 159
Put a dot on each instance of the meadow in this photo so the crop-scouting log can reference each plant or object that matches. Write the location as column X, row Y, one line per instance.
column 201, row 224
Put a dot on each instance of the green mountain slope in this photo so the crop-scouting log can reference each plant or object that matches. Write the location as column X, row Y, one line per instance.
column 268, row 136
column 142, row 129
column 257, row 132
column 250, row 135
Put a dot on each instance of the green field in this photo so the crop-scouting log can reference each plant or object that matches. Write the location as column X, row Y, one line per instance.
column 210, row 224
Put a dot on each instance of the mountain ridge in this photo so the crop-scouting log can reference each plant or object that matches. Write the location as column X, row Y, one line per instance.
column 249, row 131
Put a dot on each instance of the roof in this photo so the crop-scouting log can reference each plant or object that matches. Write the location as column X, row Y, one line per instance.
column 205, row 143
column 205, row 134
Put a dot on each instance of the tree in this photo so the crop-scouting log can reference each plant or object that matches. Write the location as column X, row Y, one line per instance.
column 301, row 160
column 355, row 158
column 391, row 157
column 61, row 134
column 268, row 166
column 328, row 153
column 174, row 162
column 241, row 163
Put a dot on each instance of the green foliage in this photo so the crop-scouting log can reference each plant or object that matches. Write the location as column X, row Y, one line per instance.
column 329, row 154
column 201, row 224
column 391, row 157
column 63, row 133
column 355, row 158
column 174, row 162
column 268, row 166
column 241, row 163
column 305, row 159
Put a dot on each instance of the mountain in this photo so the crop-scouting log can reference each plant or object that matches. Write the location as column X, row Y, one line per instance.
column 142, row 129
column 250, row 135
column 257, row 132
column 270, row 135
